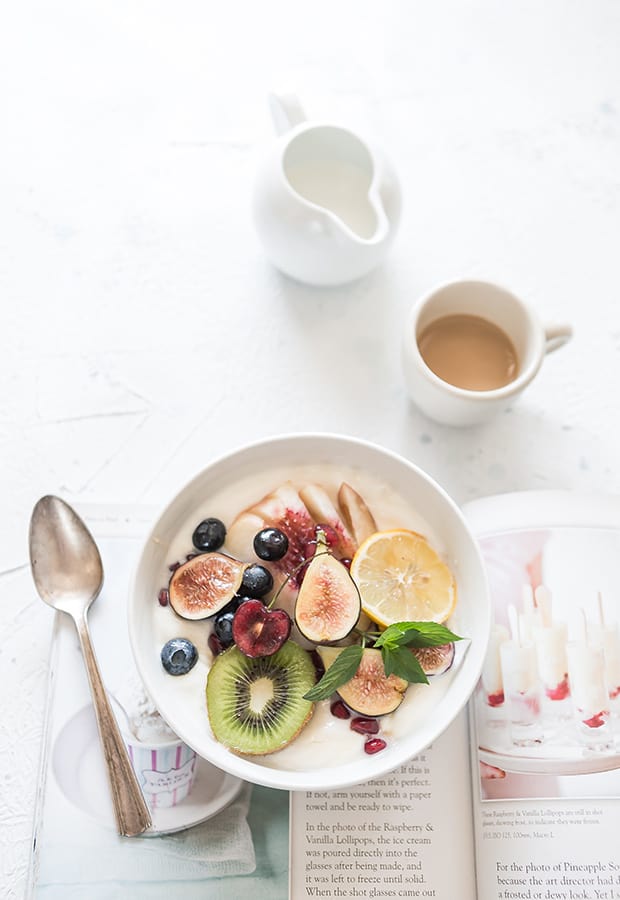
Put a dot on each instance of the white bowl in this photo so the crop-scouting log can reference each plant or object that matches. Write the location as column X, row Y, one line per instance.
column 181, row 700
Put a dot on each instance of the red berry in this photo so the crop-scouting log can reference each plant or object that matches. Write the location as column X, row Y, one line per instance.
column 364, row 726
column 163, row 597
column 215, row 645
column 374, row 745
column 339, row 710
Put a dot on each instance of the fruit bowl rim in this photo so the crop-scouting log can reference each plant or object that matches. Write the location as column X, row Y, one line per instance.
column 400, row 750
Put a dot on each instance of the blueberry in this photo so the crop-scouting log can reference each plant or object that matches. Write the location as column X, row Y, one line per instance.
column 270, row 543
column 222, row 627
column 209, row 535
column 257, row 581
column 232, row 605
column 178, row 656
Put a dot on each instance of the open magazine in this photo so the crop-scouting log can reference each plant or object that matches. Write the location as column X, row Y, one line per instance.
column 520, row 798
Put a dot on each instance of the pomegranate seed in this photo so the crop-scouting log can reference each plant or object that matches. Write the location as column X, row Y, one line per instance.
column 173, row 566
column 331, row 535
column 339, row 710
column 364, row 726
column 346, row 562
column 374, row 745
column 215, row 645
column 163, row 597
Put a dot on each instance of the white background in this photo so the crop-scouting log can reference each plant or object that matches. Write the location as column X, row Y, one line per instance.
column 143, row 331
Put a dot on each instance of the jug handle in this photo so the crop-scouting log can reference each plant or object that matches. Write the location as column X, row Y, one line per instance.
column 286, row 112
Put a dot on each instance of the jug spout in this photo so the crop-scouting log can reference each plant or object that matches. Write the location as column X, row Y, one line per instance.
column 286, row 112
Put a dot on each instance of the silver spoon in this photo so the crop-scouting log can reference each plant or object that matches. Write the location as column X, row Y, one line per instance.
column 68, row 574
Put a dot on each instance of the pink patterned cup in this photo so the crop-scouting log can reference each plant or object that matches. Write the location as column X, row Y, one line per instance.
column 165, row 771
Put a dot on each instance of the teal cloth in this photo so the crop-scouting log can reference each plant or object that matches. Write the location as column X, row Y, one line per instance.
column 268, row 819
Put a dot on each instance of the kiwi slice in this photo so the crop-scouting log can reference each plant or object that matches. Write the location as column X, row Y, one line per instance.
column 256, row 705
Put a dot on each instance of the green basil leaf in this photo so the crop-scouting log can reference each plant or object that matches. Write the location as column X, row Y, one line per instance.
column 341, row 670
column 403, row 663
column 416, row 634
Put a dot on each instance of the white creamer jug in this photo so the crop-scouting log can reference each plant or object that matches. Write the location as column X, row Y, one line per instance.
column 326, row 204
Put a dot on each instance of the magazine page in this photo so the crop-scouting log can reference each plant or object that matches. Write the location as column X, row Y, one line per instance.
column 408, row 834
column 546, row 713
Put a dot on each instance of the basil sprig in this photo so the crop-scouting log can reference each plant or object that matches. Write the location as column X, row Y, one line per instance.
column 394, row 643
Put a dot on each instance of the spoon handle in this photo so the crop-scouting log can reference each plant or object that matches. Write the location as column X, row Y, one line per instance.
column 132, row 813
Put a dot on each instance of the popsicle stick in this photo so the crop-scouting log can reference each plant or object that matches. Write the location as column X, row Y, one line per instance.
column 542, row 596
column 584, row 626
column 527, row 598
column 513, row 619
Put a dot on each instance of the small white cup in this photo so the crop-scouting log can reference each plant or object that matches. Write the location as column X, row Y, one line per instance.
column 165, row 766
column 452, row 405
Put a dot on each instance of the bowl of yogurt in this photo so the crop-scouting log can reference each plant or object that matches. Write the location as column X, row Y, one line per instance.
column 249, row 492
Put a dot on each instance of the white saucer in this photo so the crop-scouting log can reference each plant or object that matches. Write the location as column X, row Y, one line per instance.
column 78, row 767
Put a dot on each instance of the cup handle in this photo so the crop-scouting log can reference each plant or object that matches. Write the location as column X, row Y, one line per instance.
column 556, row 336
column 286, row 112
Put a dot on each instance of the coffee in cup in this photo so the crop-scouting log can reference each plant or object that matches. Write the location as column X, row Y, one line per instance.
column 470, row 347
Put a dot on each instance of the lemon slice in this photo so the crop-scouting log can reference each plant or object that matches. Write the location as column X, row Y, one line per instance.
column 402, row 579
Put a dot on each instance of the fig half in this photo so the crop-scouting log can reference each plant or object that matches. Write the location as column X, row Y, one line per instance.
column 328, row 603
column 435, row 660
column 370, row 692
column 203, row 585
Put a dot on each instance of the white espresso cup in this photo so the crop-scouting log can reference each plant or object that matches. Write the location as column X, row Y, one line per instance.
column 451, row 405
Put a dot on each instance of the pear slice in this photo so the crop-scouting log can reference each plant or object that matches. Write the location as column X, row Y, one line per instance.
column 357, row 517
column 324, row 512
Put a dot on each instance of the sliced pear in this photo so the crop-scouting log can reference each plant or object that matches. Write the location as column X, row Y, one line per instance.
column 357, row 517
column 324, row 512
column 328, row 603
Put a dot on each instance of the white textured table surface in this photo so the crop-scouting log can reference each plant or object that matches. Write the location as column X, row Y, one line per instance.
column 143, row 330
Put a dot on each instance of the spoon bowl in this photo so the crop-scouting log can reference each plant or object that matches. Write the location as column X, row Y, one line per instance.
column 65, row 561
column 68, row 575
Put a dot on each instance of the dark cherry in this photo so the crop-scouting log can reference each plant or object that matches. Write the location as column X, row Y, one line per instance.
column 257, row 581
column 258, row 631
column 270, row 544
column 233, row 605
column 222, row 628
column 209, row 535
